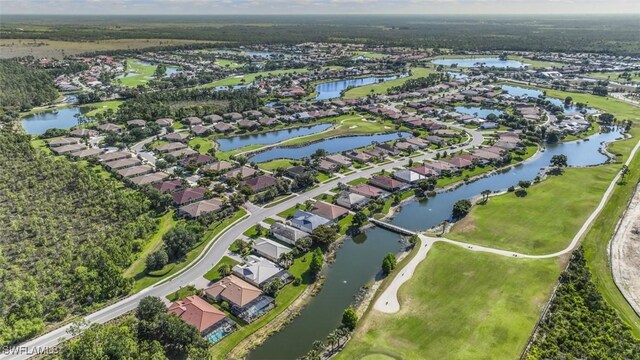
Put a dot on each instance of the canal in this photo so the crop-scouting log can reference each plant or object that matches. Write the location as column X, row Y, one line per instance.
column 358, row 262
column 267, row 138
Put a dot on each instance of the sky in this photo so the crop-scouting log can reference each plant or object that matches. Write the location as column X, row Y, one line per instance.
column 316, row 7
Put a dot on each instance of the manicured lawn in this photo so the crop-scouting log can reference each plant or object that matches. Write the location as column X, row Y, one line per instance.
column 459, row 305
column 205, row 144
column 277, row 163
column 289, row 212
column 357, row 181
column 613, row 76
column 226, row 155
column 143, row 72
column 536, row 64
column 103, row 106
column 248, row 78
column 252, row 232
column 381, row 88
column 346, row 125
column 322, row 177
column 227, row 63
column 269, row 221
column 285, row 297
column 368, row 54
column 325, row 197
column 144, row 280
column 166, row 222
column 213, row 274
column 182, row 293
column 532, row 224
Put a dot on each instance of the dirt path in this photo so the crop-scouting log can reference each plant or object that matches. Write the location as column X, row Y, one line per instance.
column 625, row 253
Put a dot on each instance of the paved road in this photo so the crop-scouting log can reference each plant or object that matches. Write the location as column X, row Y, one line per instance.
column 388, row 301
column 147, row 155
column 216, row 250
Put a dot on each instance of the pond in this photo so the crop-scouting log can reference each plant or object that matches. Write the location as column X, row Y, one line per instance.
column 474, row 62
column 64, row 118
column 334, row 145
column 333, row 89
column 358, row 262
column 267, row 138
column 482, row 113
column 457, row 75
column 535, row 93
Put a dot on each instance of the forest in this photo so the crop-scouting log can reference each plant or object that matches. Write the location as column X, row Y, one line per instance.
column 179, row 104
column 611, row 34
column 67, row 231
column 23, row 87
column 580, row 324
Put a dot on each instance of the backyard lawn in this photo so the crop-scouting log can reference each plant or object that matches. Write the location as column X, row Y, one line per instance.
column 459, row 305
column 531, row 224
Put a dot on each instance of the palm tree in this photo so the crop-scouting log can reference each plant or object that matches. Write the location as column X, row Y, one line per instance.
column 444, row 226
column 225, row 270
column 485, row 195
column 332, row 339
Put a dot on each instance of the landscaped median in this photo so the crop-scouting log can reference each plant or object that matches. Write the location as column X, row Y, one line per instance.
column 143, row 280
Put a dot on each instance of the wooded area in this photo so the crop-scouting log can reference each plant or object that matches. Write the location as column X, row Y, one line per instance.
column 23, row 88
column 66, row 234
column 580, row 324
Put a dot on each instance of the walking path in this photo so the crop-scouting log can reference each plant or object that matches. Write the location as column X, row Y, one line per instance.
column 388, row 301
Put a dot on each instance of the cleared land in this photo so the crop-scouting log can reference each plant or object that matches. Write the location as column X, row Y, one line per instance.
column 542, row 222
column 59, row 49
column 381, row 88
column 456, row 307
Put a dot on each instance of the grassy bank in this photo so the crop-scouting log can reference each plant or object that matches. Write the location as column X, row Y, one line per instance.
column 527, row 224
column 381, row 88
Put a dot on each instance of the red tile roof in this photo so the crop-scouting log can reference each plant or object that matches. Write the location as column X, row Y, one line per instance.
column 197, row 312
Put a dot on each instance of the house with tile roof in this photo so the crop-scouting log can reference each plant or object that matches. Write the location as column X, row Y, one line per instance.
column 197, row 312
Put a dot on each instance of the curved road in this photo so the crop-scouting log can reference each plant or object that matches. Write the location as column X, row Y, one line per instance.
column 388, row 301
column 211, row 255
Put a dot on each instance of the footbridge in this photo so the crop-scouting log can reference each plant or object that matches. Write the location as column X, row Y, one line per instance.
column 395, row 228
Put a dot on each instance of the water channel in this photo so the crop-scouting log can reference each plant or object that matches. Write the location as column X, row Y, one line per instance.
column 357, row 262
column 267, row 138
column 334, row 145
column 333, row 89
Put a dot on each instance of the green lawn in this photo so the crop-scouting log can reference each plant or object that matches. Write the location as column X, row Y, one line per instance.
column 357, row 181
column 275, row 164
column 613, row 76
column 227, row 63
column 459, row 305
column 289, row 212
column 536, row 64
column 205, row 144
column 248, row 78
column 368, row 54
column 182, row 293
column 144, row 280
column 532, row 224
column 252, row 232
column 285, row 297
column 346, row 125
column 213, row 274
column 381, row 88
column 226, row 155
column 143, row 72
column 102, row 106
column 166, row 222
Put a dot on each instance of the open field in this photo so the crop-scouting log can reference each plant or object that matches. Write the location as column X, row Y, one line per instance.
column 455, row 307
column 613, row 76
column 103, row 106
column 58, row 49
column 248, row 78
column 381, row 88
column 526, row 224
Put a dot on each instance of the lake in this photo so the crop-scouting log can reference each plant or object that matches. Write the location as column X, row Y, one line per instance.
column 40, row 122
column 267, row 138
column 333, row 89
column 535, row 93
column 358, row 262
column 334, row 145
column 474, row 62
